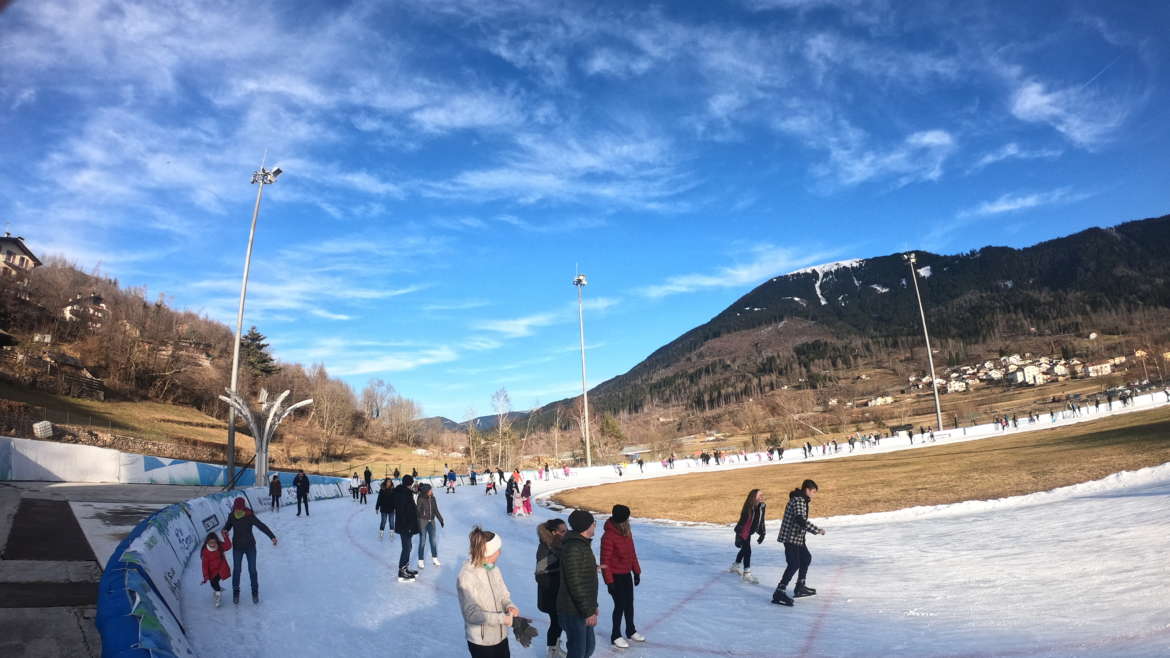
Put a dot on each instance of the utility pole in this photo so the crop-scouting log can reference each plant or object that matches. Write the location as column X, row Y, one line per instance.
column 912, row 259
column 580, row 282
column 262, row 177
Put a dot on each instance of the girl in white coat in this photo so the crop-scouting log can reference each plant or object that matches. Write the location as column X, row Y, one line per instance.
column 487, row 605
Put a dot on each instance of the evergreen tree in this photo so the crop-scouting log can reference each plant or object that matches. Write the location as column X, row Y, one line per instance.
column 254, row 354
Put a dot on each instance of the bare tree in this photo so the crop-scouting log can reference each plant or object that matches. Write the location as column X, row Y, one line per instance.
column 502, row 405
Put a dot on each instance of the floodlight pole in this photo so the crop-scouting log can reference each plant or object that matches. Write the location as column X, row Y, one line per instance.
column 580, row 282
column 262, row 177
column 912, row 259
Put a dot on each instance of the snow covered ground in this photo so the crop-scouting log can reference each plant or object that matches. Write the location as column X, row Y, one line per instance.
column 1081, row 570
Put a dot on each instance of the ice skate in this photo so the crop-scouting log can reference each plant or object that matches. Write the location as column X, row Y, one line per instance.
column 405, row 575
column 803, row 590
column 255, row 598
column 422, row 563
column 779, row 597
column 381, row 533
column 236, row 596
column 218, row 596
column 749, row 578
column 621, row 643
column 435, row 561
column 638, row 637
column 555, row 652
column 735, row 567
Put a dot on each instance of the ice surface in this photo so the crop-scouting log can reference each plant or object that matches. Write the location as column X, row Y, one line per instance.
column 1077, row 571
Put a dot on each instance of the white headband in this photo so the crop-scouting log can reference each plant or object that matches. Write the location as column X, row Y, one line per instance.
column 493, row 546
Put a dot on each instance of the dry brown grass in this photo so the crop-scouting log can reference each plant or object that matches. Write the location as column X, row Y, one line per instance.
column 988, row 468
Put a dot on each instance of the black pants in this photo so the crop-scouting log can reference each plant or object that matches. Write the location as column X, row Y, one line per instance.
column 745, row 551
column 353, row 492
column 497, row 651
column 622, row 592
column 798, row 560
column 554, row 629
column 302, row 498
column 276, row 502
column 407, row 544
column 215, row 584
column 363, row 497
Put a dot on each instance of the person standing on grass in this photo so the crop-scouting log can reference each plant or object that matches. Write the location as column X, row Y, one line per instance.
column 274, row 490
column 406, row 525
column 751, row 522
column 550, row 534
column 577, row 592
column 792, row 533
column 622, row 573
column 242, row 521
column 428, row 514
column 384, row 506
column 484, row 599
column 301, row 484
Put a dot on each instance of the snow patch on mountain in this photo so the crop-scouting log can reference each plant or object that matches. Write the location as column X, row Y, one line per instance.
column 822, row 270
column 880, row 289
column 924, row 272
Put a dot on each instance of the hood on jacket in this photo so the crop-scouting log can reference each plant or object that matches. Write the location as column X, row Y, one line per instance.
column 545, row 536
column 610, row 526
column 797, row 493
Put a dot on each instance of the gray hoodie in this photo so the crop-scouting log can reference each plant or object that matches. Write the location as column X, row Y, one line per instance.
column 484, row 600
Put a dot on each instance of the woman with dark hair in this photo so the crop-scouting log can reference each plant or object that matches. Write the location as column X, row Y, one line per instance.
column 548, row 579
column 793, row 529
column 274, row 491
column 751, row 522
column 484, row 599
column 622, row 573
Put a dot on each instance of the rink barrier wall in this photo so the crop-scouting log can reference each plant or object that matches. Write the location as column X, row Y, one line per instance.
column 139, row 612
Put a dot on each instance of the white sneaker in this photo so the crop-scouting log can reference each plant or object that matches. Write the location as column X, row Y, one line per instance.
column 218, row 596
column 735, row 568
column 621, row 643
column 381, row 533
column 749, row 578
column 435, row 561
column 422, row 564
column 638, row 637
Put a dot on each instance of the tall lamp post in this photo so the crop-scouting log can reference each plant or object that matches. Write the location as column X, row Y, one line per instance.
column 912, row 260
column 262, row 177
column 581, row 282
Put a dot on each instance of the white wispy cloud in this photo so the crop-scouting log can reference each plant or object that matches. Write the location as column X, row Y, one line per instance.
column 1084, row 116
column 1014, row 202
column 527, row 325
column 467, row 305
column 761, row 262
column 1012, row 151
column 350, row 357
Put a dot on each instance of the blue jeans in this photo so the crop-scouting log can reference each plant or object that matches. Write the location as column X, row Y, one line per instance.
column 387, row 517
column 579, row 638
column 238, row 557
column 428, row 530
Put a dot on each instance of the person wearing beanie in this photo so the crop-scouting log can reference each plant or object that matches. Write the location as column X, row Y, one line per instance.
column 428, row 515
column 751, row 522
column 793, row 529
column 406, row 525
column 622, row 573
column 484, row 599
column 577, row 592
column 242, row 521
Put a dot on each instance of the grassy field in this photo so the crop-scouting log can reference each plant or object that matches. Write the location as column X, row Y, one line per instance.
column 988, row 468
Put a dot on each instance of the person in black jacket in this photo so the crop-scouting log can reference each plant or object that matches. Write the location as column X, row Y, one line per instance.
column 384, row 506
column 242, row 521
column 577, row 593
column 301, row 482
column 548, row 577
column 406, row 525
column 511, row 492
column 274, row 490
column 369, row 477
column 793, row 529
column 751, row 522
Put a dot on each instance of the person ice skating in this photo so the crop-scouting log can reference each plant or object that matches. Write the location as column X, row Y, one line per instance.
column 451, row 477
column 792, row 533
column 363, row 491
column 490, row 487
column 500, row 472
column 274, row 490
column 428, row 513
column 548, row 579
column 406, row 525
column 301, row 484
column 751, row 522
column 526, row 497
column 242, row 521
column 484, row 599
column 384, row 506
column 215, row 566
column 577, row 592
column 471, row 475
column 510, row 492
column 622, row 573
column 368, row 477
column 354, row 483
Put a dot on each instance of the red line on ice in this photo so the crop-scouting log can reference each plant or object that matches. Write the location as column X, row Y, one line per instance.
column 821, row 616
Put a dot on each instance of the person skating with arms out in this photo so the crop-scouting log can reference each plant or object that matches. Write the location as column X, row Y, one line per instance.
column 792, row 533
column 751, row 522
column 619, row 563
column 577, row 593
column 215, row 566
column 242, row 521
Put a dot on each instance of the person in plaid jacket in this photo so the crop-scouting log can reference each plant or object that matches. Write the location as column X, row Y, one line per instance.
column 793, row 529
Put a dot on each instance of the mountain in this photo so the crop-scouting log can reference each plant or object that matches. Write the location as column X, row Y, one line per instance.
column 793, row 329
column 482, row 423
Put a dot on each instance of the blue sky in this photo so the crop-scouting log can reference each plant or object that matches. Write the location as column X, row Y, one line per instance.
column 449, row 162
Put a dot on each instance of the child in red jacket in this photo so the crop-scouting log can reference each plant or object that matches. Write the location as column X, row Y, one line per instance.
column 619, row 564
column 215, row 564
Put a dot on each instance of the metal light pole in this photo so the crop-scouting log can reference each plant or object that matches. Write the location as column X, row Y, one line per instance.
column 262, row 177
column 581, row 282
column 912, row 259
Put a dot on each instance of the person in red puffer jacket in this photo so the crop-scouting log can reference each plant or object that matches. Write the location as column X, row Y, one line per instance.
column 619, row 564
column 215, row 564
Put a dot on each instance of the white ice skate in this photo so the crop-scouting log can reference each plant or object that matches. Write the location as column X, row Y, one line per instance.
column 381, row 533
column 749, row 578
column 422, row 564
column 638, row 637
column 621, row 643
column 218, row 596
column 735, row 568
column 435, row 561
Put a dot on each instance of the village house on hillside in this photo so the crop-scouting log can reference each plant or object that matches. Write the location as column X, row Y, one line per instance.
column 17, row 261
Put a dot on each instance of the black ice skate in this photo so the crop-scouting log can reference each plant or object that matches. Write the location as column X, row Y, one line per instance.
column 236, row 596
column 779, row 597
column 803, row 590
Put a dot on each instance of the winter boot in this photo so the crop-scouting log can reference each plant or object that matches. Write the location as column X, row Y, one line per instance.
column 779, row 597
column 435, row 561
column 736, row 567
column 803, row 590
column 218, row 596
column 236, row 596
column 405, row 576
column 749, row 578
